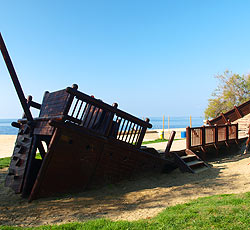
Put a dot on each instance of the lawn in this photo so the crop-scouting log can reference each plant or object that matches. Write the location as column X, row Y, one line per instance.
column 215, row 212
column 4, row 162
column 157, row 141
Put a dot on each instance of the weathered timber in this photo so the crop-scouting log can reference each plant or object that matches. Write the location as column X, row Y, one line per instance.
column 232, row 115
column 82, row 143
column 78, row 160
column 14, row 78
column 88, row 144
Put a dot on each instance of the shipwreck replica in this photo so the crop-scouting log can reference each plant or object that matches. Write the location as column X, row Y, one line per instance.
column 77, row 142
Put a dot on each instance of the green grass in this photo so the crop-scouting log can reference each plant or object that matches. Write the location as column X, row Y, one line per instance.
column 4, row 162
column 215, row 212
column 38, row 156
column 157, row 141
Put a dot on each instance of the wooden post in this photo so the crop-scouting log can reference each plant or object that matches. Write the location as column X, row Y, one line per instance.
column 163, row 128
column 29, row 100
column 209, row 123
column 216, row 139
column 203, row 136
column 170, row 142
column 143, row 131
column 227, row 135
column 224, row 118
column 67, row 108
column 238, row 113
column 216, row 134
column 188, row 138
column 115, row 105
column 237, row 132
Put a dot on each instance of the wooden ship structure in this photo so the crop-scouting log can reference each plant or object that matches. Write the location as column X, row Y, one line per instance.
column 238, row 112
column 220, row 135
column 77, row 142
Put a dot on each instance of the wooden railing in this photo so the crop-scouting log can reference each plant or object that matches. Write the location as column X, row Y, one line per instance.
column 73, row 106
column 232, row 115
column 104, row 119
column 208, row 135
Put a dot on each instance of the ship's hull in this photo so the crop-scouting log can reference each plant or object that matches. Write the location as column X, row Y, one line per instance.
column 77, row 160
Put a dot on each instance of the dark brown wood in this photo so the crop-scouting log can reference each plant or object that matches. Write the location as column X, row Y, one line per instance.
column 237, row 111
column 170, row 142
column 188, row 138
column 115, row 105
column 128, row 133
column 189, row 162
column 14, row 78
column 203, row 136
column 233, row 114
column 227, row 135
column 107, row 107
column 142, row 133
column 125, row 130
column 17, row 168
column 224, row 118
column 221, row 137
column 216, row 135
column 82, row 152
column 134, row 133
column 93, row 160
column 237, row 132
column 131, row 133
column 35, row 105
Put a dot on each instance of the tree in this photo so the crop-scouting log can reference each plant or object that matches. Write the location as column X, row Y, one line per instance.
column 233, row 89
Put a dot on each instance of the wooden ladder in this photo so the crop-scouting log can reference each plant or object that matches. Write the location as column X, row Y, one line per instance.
column 16, row 173
column 190, row 162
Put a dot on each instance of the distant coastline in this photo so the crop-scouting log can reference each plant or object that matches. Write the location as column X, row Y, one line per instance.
column 157, row 122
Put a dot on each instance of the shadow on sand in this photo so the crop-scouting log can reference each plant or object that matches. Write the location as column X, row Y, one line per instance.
column 139, row 194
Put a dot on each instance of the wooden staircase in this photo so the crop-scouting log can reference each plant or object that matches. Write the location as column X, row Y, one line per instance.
column 190, row 162
column 16, row 173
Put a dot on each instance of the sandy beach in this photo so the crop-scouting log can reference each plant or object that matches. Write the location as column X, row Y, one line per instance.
column 7, row 143
column 140, row 197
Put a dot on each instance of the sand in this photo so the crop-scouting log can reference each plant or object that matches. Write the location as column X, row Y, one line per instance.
column 141, row 197
column 7, row 143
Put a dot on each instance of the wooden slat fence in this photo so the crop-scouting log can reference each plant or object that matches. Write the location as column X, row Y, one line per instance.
column 208, row 135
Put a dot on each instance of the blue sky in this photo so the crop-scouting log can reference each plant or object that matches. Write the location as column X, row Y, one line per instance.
column 153, row 58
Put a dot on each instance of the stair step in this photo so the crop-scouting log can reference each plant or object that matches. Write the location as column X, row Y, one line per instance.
column 201, row 169
column 190, row 162
column 193, row 163
column 188, row 157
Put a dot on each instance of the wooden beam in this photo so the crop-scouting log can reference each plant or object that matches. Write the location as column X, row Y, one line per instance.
column 224, row 118
column 237, row 111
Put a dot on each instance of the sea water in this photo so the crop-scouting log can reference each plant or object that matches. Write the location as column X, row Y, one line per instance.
column 157, row 122
column 6, row 128
column 176, row 122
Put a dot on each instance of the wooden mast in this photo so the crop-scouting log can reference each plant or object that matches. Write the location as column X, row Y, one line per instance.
column 15, row 80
